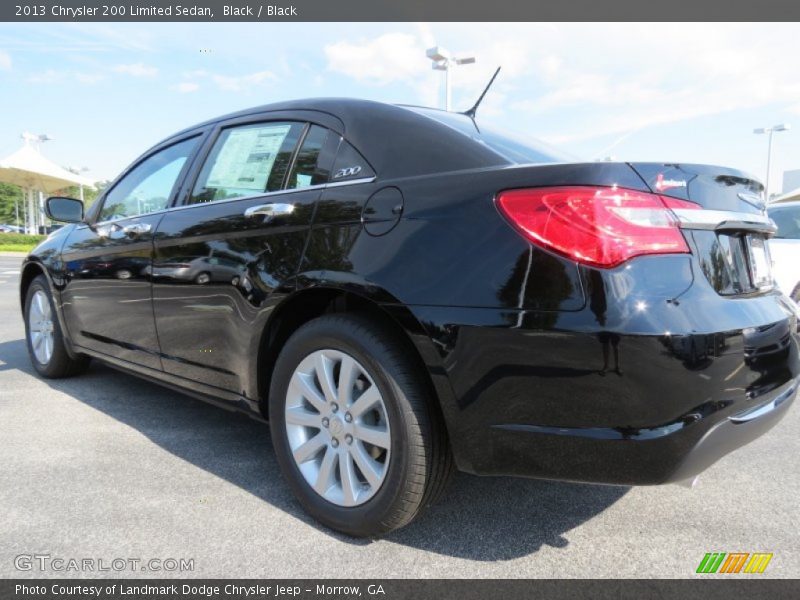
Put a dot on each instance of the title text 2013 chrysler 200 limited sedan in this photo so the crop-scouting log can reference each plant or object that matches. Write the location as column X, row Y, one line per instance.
column 402, row 291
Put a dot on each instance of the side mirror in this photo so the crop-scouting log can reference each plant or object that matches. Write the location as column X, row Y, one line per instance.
column 66, row 210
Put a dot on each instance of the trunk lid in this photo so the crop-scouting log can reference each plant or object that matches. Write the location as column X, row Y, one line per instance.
column 729, row 234
column 713, row 188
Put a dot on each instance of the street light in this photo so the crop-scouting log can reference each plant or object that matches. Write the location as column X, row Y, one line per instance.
column 770, row 131
column 442, row 61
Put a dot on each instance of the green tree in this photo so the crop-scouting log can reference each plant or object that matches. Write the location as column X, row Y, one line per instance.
column 8, row 194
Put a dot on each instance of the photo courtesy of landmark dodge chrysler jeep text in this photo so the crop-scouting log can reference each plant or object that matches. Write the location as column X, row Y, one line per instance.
column 403, row 291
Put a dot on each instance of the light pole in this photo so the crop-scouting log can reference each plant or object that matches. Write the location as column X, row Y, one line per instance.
column 770, row 131
column 442, row 61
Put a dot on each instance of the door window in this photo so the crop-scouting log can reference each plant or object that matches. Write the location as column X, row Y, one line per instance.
column 148, row 186
column 307, row 169
column 788, row 222
column 246, row 161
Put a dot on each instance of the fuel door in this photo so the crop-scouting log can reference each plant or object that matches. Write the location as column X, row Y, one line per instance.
column 382, row 211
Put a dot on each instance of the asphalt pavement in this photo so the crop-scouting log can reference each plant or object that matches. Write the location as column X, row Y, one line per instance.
column 106, row 466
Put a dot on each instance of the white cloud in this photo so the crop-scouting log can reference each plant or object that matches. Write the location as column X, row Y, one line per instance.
column 53, row 76
column 5, row 61
column 185, row 87
column 385, row 59
column 48, row 76
column 136, row 70
column 88, row 78
column 240, row 83
column 581, row 81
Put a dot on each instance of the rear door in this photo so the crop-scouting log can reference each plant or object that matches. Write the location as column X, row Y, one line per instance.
column 232, row 248
column 106, row 297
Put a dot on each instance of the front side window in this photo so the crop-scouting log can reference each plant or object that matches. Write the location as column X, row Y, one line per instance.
column 788, row 221
column 246, row 161
column 148, row 186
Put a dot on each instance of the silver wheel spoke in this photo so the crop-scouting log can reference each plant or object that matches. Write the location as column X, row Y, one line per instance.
column 325, row 476
column 35, row 313
column 301, row 416
column 347, row 376
column 370, row 468
column 327, row 429
column 373, row 435
column 324, row 370
column 365, row 401
column 309, row 391
column 350, row 483
column 308, row 449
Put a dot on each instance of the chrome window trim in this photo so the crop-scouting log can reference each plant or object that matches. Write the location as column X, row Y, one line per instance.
column 319, row 186
column 723, row 219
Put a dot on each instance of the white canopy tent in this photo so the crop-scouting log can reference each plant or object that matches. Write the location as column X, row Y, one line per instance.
column 37, row 176
column 787, row 197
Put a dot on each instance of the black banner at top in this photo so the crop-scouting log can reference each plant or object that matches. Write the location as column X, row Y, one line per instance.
column 394, row 10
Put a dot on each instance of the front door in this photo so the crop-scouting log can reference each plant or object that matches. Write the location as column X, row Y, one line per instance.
column 107, row 297
column 232, row 249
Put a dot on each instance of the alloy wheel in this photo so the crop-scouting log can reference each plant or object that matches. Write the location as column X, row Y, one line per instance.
column 337, row 427
column 40, row 327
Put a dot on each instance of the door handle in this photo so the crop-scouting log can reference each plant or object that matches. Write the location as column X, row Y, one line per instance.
column 269, row 211
column 133, row 230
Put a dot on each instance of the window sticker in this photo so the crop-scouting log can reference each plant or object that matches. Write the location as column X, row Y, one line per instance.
column 246, row 158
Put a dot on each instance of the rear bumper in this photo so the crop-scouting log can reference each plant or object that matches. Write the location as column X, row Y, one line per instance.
column 671, row 453
column 642, row 398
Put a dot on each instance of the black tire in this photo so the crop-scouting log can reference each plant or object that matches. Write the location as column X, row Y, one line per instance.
column 421, row 462
column 61, row 364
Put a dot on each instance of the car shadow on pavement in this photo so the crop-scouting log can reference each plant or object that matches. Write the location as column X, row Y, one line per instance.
column 478, row 518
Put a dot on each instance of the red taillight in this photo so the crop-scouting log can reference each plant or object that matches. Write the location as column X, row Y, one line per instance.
column 599, row 226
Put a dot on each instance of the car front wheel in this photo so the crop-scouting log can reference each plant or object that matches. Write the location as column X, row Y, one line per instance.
column 354, row 427
column 44, row 337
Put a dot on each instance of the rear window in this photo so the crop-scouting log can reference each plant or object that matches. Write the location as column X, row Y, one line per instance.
column 506, row 145
column 788, row 221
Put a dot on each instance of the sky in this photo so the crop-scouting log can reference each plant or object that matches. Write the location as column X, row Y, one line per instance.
column 678, row 92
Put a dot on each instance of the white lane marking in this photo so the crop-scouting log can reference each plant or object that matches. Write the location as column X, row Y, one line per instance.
column 10, row 273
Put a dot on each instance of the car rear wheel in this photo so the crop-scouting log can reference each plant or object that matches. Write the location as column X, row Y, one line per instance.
column 355, row 431
column 44, row 337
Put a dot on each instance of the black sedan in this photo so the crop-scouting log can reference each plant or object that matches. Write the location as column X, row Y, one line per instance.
column 404, row 291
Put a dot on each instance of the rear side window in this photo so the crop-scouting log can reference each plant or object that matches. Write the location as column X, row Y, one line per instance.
column 307, row 169
column 788, row 222
column 246, row 161
column 349, row 164
column 148, row 186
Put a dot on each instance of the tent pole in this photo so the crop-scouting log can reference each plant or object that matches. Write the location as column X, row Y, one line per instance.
column 31, row 212
column 40, row 206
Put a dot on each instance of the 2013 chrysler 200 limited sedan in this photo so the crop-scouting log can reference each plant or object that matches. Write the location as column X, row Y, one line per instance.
column 402, row 291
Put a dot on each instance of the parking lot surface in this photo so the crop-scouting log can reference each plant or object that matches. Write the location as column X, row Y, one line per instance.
column 107, row 466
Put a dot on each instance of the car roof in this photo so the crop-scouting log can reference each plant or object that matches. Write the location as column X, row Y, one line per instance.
column 395, row 140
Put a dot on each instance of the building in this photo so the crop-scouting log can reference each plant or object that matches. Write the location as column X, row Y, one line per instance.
column 791, row 180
